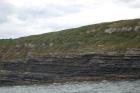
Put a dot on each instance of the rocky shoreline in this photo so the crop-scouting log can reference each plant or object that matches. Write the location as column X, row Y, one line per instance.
column 63, row 69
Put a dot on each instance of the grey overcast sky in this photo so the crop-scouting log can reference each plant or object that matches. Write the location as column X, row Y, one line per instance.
column 28, row 17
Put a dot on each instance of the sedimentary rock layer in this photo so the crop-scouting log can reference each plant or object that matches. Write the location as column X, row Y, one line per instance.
column 84, row 67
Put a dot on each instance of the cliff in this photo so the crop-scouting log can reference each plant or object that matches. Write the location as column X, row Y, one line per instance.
column 83, row 67
column 95, row 52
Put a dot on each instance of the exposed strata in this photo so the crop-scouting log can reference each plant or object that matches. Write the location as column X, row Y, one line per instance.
column 84, row 67
column 122, row 29
column 65, row 63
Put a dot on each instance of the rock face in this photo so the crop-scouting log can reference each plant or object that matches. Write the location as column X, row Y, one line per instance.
column 137, row 28
column 122, row 29
column 91, row 31
column 85, row 67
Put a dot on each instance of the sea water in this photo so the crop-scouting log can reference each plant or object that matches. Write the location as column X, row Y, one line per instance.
column 78, row 87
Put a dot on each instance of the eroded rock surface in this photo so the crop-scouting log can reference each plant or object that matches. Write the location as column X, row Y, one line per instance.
column 84, row 67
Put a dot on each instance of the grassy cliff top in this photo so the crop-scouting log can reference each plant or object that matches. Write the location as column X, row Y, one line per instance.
column 118, row 36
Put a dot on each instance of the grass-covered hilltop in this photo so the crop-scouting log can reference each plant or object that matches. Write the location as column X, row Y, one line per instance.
column 118, row 36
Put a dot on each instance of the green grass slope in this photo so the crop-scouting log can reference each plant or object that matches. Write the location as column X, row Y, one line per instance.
column 86, row 39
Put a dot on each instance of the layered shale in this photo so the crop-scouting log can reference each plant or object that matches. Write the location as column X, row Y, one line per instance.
column 83, row 67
